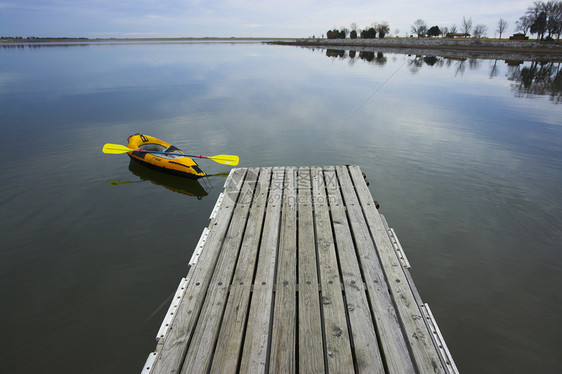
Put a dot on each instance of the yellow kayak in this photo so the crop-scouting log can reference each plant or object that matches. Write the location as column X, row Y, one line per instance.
column 171, row 164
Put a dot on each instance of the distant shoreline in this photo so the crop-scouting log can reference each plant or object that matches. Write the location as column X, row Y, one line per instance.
column 33, row 40
column 491, row 47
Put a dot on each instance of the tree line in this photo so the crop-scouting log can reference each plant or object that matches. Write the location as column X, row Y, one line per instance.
column 380, row 29
column 466, row 29
column 540, row 18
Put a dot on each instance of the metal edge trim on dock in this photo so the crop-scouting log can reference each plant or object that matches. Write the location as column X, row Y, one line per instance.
column 171, row 313
column 429, row 319
column 396, row 244
column 199, row 247
column 149, row 364
column 443, row 349
column 399, row 250
column 216, row 207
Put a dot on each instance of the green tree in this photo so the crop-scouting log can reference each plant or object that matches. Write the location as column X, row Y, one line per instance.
column 382, row 29
column 370, row 33
column 539, row 25
column 434, row 31
column 336, row 34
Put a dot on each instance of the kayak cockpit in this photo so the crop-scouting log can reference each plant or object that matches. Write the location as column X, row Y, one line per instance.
column 153, row 147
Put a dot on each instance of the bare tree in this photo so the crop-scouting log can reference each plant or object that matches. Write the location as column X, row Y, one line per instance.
column 553, row 10
column 419, row 27
column 534, row 10
column 523, row 24
column 466, row 25
column 502, row 26
column 480, row 31
column 453, row 29
column 557, row 14
column 353, row 26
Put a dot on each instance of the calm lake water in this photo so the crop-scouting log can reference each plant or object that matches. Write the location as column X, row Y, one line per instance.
column 464, row 156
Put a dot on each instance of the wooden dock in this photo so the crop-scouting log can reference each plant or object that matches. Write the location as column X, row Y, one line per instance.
column 298, row 272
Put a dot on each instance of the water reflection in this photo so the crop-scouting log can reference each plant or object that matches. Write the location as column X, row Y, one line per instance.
column 184, row 186
column 460, row 64
column 540, row 78
column 529, row 77
column 368, row 56
column 31, row 45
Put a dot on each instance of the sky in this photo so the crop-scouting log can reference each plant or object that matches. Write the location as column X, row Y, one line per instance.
column 241, row 18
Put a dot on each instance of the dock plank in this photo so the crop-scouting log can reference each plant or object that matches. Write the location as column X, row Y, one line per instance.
column 254, row 356
column 229, row 344
column 336, row 333
column 392, row 340
column 173, row 348
column 283, row 337
column 309, row 316
column 366, row 347
column 200, row 352
column 419, row 339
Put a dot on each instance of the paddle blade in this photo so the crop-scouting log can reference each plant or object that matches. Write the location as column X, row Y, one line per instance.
column 115, row 148
column 225, row 159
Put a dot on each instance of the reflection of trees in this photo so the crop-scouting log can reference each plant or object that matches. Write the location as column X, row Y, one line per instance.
column 494, row 69
column 367, row 55
column 474, row 63
column 377, row 58
column 352, row 57
column 380, row 59
column 430, row 60
column 335, row 53
column 540, row 78
column 41, row 45
column 461, row 67
column 370, row 56
column 415, row 64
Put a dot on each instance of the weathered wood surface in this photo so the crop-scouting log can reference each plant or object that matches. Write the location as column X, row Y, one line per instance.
column 258, row 334
column 298, row 274
column 282, row 350
column 337, row 340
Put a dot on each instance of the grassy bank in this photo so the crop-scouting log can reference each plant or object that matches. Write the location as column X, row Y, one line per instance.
column 493, row 45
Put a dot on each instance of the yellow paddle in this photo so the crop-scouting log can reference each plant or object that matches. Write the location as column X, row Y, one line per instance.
column 221, row 159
